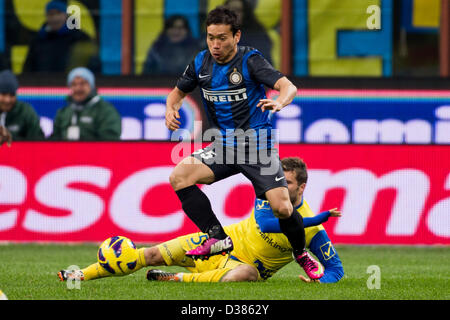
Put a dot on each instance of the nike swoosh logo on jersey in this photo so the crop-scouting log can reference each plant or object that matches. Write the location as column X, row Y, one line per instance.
column 279, row 178
column 201, row 76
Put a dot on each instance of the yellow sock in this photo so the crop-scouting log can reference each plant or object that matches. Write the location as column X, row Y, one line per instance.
column 94, row 271
column 141, row 259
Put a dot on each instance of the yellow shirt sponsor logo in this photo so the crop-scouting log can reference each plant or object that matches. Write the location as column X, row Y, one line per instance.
column 262, row 204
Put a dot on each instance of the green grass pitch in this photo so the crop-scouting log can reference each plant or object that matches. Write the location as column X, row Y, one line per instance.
column 28, row 272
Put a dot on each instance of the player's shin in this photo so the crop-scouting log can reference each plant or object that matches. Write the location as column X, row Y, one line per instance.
column 198, row 208
column 294, row 230
column 96, row 271
column 207, row 276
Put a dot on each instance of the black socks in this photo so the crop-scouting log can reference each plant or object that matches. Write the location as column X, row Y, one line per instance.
column 197, row 207
column 294, row 230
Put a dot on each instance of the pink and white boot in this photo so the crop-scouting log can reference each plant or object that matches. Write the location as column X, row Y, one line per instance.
column 211, row 247
column 314, row 270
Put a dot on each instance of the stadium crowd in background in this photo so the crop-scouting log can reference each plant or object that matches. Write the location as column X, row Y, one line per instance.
column 173, row 50
column 56, row 48
column 176, row 47
column 87, row 116
column 253, row 32
column 18, row 119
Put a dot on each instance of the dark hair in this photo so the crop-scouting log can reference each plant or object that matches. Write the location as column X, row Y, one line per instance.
column 223, row 15
column 298, row 166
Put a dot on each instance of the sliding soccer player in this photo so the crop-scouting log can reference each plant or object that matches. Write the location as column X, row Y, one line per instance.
column 260, row 252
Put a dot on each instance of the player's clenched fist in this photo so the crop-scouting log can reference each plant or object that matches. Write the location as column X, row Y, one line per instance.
column 5, row 136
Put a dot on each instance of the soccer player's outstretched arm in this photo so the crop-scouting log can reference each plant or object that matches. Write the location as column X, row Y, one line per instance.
column 268, row 223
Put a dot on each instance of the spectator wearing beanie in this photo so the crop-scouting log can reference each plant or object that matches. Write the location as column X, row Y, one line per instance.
column 17, row 117
column 86, row 117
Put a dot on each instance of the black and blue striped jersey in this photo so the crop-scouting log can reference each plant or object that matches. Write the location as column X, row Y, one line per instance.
column 231, row 91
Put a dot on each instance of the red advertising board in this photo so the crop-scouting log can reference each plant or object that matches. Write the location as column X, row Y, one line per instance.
column 71, row 192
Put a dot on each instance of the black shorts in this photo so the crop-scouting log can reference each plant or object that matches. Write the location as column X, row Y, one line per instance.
column 263, row 169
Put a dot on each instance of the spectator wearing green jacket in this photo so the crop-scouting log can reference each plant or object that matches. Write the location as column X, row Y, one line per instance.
column 17, row 117
column 87, row 117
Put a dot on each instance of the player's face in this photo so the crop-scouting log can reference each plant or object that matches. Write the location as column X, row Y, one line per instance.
column 79, row 89
column 221, row 43
column 7, row 102
column 295, row 190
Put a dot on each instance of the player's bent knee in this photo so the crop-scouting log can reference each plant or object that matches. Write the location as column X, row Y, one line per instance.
column 153, row 257
column 241, row 273
column 176, row 181
column 179, row 179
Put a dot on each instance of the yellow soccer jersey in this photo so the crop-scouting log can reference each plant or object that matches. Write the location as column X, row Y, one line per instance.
column 268, row 252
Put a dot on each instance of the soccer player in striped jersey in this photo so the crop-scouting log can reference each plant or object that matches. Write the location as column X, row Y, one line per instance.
column 261, row 250
column 232, row 80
